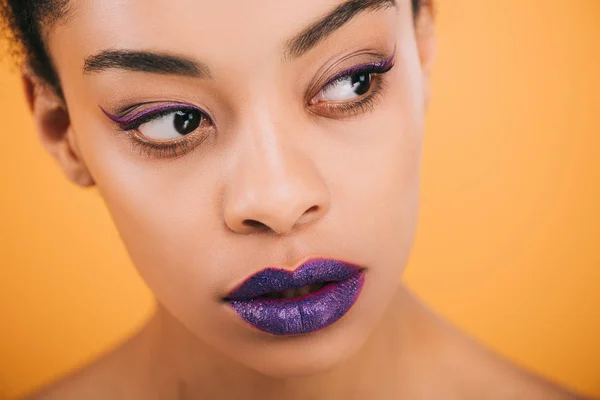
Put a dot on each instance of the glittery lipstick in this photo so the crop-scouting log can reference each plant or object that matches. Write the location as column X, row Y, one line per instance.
column 314, row 296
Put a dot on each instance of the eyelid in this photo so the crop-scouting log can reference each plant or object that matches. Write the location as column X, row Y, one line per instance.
column 376, row 67
column 380, row 66
column 134, row 121
column 341, row 110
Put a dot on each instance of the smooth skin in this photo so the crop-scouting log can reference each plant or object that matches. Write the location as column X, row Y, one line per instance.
column 278, row 179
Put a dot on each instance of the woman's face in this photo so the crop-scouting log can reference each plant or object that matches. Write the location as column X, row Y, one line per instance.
column 221, row 145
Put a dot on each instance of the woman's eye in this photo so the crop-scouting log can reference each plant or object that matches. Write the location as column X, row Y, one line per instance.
column 172, row 125
column 346, row 88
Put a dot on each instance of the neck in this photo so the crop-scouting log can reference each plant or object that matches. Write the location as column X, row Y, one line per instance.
column 178, row 362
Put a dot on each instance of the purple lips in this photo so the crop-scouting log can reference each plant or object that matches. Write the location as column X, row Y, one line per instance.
column 334, row 286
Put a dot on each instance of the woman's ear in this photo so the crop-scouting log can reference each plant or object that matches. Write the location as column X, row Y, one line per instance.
column 54, row 127
column 426, row 43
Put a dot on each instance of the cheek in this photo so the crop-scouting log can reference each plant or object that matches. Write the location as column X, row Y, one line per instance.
column 377, row 191
column 382, row 195
column 166, row 215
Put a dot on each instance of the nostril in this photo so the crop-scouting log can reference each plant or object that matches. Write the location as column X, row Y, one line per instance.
column 312, row 209
column 257, row 225
column 252, row 223
column 308, row 215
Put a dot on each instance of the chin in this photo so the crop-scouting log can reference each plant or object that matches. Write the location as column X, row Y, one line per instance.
column 316, row 353
column 306, row 356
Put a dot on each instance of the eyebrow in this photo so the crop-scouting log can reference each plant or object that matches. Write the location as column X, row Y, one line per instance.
column 145, row 61
column 172, row 64
column 340, row 16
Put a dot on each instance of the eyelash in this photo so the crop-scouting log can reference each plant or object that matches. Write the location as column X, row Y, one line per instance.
column 172, row 149
column 363, row 104
column 178, row 147
column 159, row 149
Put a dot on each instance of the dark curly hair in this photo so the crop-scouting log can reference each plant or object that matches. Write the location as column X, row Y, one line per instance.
column 25, row 20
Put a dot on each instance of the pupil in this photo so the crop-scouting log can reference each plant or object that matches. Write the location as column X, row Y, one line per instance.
column 187, row 121
column 361, row 83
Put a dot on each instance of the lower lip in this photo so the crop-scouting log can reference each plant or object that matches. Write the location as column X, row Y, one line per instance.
column 304, row 314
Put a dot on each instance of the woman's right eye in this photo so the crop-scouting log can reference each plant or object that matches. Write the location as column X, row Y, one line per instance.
column 166, row 130
column 172, row 125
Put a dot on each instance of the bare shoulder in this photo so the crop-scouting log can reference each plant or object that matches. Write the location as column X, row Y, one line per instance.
column 481, row 372
column 101, row 379
column 463, row 368
column 499, row 378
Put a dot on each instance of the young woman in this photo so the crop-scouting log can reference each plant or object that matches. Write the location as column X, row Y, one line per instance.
column 260, row 160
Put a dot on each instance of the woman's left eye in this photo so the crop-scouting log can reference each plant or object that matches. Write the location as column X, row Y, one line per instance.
column 346, row 88
column 172, row 125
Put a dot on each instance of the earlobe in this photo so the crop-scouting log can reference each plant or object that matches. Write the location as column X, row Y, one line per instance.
column 54, row 128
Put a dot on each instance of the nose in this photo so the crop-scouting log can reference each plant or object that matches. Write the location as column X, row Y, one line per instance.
column 274, row 187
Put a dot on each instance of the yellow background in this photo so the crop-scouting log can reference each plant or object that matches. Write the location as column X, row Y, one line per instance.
column 507, row 248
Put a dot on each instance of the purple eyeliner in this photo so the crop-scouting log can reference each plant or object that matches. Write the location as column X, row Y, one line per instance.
column 375, row 67
column 312, row 297
column 142, row 116
column 132, row 121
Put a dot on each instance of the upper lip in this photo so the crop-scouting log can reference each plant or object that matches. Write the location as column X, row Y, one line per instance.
column 316, row 270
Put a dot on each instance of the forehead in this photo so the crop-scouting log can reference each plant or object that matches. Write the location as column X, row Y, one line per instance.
column 217, row 26
column 173, row 23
